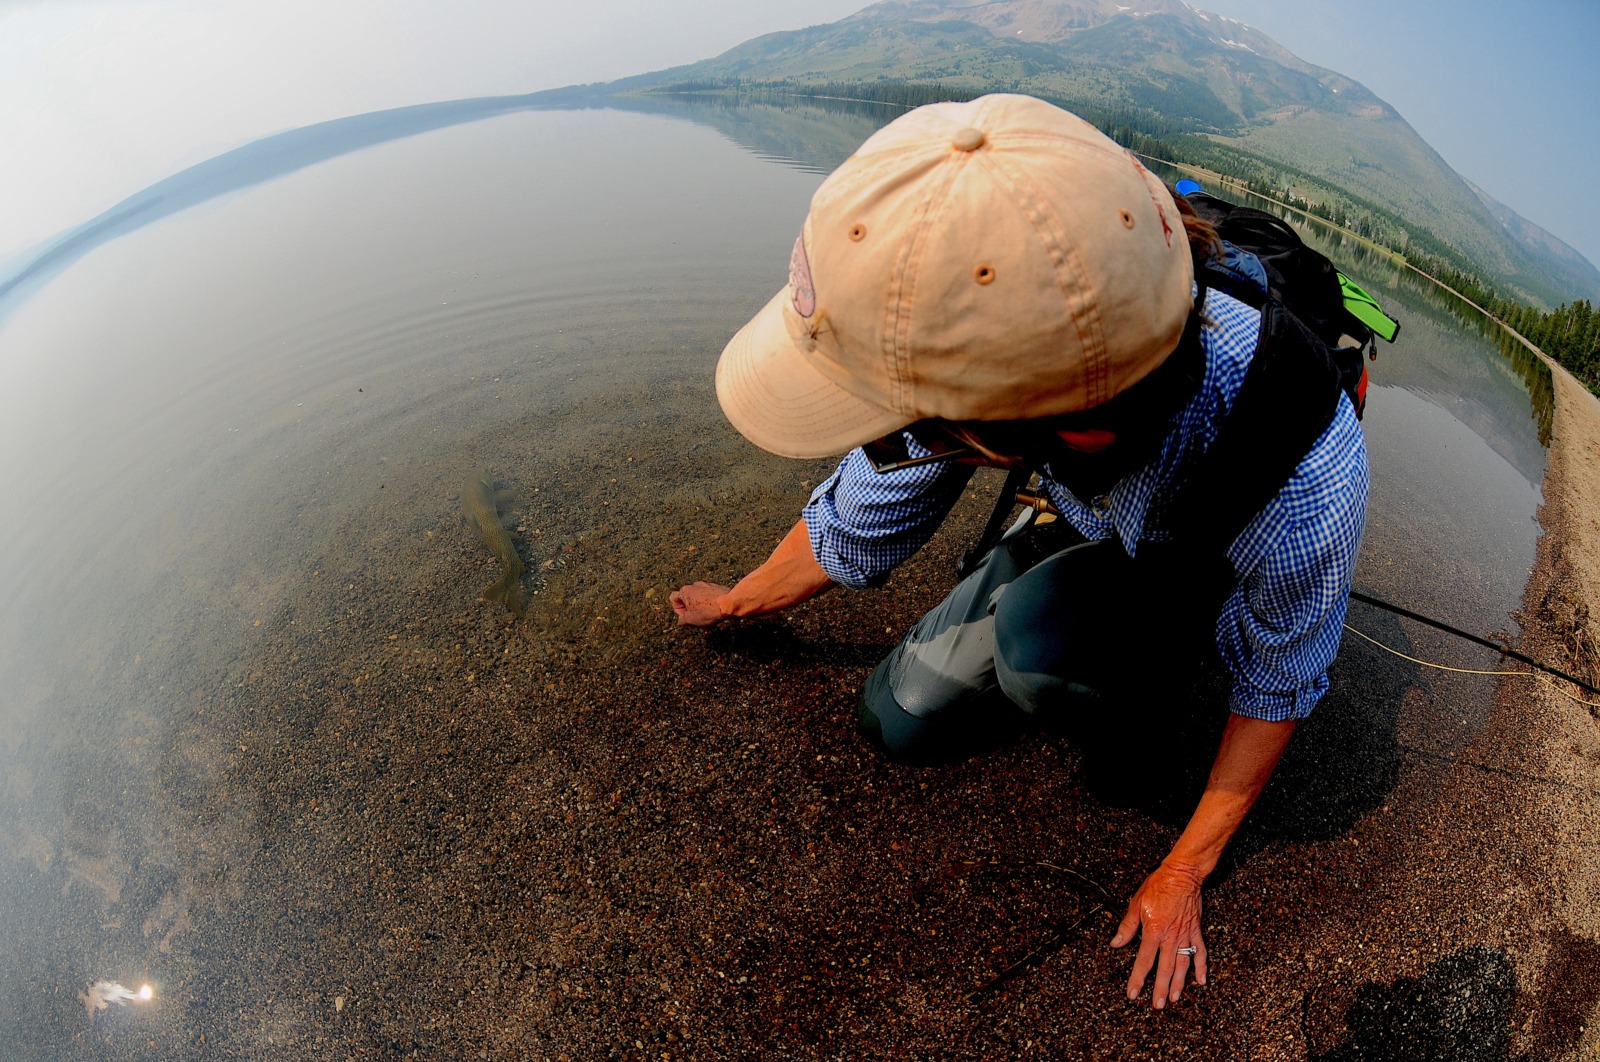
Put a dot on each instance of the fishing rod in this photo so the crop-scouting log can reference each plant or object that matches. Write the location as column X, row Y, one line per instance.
column 1499, row 647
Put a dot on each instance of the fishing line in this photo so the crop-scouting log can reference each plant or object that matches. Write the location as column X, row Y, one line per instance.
column 1471, row 671
column 1499, row 647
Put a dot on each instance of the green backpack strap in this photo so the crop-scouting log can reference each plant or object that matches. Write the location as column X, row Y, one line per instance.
column 1365, row 308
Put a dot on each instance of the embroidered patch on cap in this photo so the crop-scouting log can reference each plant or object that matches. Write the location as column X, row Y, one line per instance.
column 805, row 294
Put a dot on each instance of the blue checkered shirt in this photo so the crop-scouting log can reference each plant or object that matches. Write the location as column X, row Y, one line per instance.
column 1279, row 629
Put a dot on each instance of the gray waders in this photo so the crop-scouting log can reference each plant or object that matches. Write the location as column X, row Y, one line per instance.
column 1031, row 636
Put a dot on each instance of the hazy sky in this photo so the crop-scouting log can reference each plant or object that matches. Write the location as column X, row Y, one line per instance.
column 100, row 98
column 1505, row 90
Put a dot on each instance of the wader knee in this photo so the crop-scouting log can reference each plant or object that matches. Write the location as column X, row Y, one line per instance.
column 948, row 734
column 889, row 728
column 1058, row 632
column 934, row 699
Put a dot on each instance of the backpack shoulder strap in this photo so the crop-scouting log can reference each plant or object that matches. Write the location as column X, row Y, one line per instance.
column 1289, row 396
column 1016, row 479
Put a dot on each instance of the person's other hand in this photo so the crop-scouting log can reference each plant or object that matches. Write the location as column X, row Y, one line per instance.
column 696, row 604
column 1165, row 913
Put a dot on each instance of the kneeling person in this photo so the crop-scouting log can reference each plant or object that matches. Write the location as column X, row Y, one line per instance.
column 996, row 283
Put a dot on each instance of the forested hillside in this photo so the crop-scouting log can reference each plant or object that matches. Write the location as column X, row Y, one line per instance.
column 1172, row 78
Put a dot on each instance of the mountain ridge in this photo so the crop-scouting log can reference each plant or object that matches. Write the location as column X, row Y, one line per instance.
column 1194, row 74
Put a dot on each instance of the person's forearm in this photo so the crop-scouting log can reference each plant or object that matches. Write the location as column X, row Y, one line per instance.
column 789, row 576
column 1246, row 758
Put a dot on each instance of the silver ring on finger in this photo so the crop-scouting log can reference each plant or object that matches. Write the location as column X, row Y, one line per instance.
column 1187, row 951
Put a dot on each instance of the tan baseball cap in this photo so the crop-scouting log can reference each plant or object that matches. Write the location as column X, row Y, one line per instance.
column 999, row 259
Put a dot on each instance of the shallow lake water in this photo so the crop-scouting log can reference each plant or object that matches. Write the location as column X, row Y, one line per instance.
column 235, row 442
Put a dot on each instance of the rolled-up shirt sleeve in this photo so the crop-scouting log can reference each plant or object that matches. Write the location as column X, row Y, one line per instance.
column 864, row 523
column 1281, row 629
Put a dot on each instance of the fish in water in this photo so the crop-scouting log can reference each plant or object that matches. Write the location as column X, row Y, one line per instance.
column 480, row 504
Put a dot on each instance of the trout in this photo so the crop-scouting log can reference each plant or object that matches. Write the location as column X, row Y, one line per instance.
column 479, row 504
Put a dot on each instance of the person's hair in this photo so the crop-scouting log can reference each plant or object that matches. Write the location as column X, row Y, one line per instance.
column 1204, row 243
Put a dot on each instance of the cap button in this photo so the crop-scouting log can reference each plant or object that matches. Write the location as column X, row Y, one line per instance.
column 968, row 139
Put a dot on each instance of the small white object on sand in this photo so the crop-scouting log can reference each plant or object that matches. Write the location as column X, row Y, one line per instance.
column 102, row 994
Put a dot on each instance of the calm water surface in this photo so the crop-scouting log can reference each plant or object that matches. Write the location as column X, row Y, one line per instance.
column 235, row 438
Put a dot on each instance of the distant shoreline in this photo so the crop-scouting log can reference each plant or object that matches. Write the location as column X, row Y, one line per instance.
column 1394, row 256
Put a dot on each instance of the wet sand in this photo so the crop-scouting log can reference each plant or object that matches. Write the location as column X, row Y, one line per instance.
column 1563, row 735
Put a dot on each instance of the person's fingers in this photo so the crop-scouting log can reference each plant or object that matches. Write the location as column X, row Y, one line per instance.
column 1142, row 964
column 696, row 604
column 1166, row 916
column 1180, row 971
column 1164, row 972
column 1128, row 926
column 680, row 605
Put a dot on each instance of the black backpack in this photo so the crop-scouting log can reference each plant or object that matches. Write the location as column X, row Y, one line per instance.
column 1311, row 348
column 1305, row 282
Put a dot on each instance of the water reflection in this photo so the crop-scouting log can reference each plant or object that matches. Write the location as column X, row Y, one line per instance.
column 256, row 162
column 1422, row 298
column 813, row 136
column 244, row 663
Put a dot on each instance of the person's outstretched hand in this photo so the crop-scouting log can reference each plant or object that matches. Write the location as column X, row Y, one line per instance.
column 1165, row 912
column 696, row 604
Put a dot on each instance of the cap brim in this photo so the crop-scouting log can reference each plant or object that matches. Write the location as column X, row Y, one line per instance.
column 771, row 393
